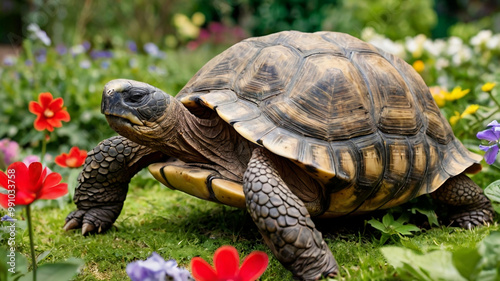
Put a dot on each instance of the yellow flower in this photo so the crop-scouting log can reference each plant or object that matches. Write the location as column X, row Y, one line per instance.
column 419, row 66
column 487, row 87
column 198, row 19
column 456, row 93
column 454, row 119
column 471, row 109
column 438, row 93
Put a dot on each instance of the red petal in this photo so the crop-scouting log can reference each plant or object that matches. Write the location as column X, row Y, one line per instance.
column 24, row 197
column 54, row 122
column 54, row 192
column 35, row 108
column 56, row 104
column 253, row 266
column 62, row 115
column 4, row 200
column 36, row 176
column 202, row 271
column 45, row 99
column 74, row 152
column 51, row 180
column 226, row 262
column 61, row 160
column 4, row 180
column 21, row 176
column 41, row 124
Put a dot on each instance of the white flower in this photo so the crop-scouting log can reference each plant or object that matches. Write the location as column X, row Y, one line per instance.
column 435, row 48
column 463, row 55
column 388, row 46
column 78, row 49
column 494, row 42
column 415, row 45
column 481, row 38
column 442, row 63
column 454, row 45
column 39, row 34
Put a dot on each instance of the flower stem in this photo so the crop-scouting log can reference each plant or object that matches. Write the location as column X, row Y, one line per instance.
column 32, row 243
column 44, row 149
column 494, row 99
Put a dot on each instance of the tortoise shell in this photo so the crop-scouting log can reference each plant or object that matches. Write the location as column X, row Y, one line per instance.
column 360, row 120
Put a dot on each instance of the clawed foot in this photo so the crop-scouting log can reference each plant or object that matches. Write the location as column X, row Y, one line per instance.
column 95, row 220
column 472, row 219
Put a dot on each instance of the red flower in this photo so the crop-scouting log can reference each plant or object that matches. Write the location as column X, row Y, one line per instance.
column 226, row 262
column 74, row 159
column 29, row 184
column 49, row 111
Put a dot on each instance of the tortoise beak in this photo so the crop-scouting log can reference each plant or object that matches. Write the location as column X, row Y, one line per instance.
column 113, row 104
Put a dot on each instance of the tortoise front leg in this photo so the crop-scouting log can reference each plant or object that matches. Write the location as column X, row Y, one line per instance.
column 284, row 221
column 469, row 207
column 103, row 182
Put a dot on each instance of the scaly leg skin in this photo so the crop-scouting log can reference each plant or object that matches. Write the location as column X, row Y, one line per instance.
column 103, row 183
column 284, row 222
column 469, row 206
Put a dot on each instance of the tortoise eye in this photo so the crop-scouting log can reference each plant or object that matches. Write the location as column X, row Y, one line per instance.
column 134, row 98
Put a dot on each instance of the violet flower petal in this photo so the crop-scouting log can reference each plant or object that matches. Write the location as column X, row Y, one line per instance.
column 489, row 135
column 494, row 123
column 7, row 218
column 491, row 153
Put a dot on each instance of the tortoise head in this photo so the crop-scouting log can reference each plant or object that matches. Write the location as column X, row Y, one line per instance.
column 134, row 109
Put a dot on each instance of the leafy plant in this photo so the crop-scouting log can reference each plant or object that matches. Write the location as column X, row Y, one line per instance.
column 492, row 191
column 391, row 228
column 477, row 263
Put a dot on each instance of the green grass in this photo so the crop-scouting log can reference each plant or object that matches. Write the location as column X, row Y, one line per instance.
column 179, row 226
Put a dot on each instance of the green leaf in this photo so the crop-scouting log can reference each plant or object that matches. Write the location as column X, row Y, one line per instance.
column 42, row 256
column 378, row 225
column 388, row 219
column 63, row 271
column 436, row 265
column 466, row 261
column 430, row 214
column 492, row 191
column 407, row 229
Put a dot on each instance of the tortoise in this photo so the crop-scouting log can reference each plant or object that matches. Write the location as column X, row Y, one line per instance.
column 289, row 126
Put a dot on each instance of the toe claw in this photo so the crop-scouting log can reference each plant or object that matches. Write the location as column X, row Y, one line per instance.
column 71, row 224
column 87, row 228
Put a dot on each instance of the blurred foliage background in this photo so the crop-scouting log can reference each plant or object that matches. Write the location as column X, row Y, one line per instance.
column 74, row 47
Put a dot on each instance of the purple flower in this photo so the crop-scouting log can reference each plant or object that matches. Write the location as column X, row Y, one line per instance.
column 7, row 218
column 86, row 45
column 105, row 64
column 155, row 268
column 61, row 49
column 41, row 55
column 132, row 46
column 492, row 135
column 9, row 149
column 102, row 54
column 9, row 60
column 153, row 50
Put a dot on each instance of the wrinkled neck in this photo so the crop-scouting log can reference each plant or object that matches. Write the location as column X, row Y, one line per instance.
column 175, row 134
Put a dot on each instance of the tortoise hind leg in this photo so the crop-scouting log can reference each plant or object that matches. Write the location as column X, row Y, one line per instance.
column 284, row 221
column 469, row 207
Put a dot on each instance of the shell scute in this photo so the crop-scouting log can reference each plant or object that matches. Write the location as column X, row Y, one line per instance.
column 269, row 75
column 393, row 102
